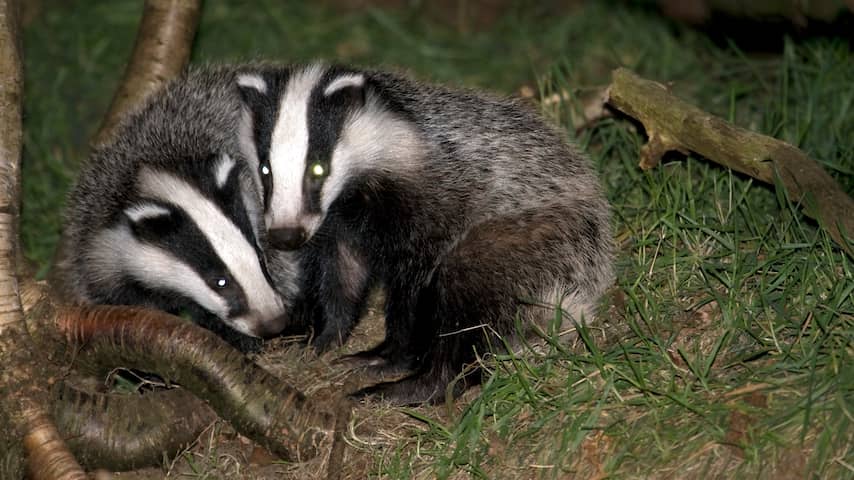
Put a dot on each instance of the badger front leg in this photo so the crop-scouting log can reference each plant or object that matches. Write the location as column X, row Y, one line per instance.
column 553, row 254
column 406, row 339
column 445, row 333
column 343, row 281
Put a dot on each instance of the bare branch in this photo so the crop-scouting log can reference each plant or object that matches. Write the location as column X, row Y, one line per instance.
column 161, row 51
column 674, row 124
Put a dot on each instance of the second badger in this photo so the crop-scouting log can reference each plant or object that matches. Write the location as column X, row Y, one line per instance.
column 166, row 215
column 467, row 208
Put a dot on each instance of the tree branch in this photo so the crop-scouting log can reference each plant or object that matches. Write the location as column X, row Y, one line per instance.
column 674, row 124
column 161, row 51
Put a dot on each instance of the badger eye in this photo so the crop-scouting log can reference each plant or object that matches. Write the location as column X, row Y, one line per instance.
column 265, row 170
column 317, row 170
column 221, row 282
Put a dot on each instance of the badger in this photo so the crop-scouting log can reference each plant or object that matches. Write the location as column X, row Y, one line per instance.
column 468, row 209
column 167, row 215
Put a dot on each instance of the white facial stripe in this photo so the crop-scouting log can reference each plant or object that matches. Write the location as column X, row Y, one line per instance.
column 223, row 169
column 344, row 81
column 145, row 211
column 250, row 80
column 226, row 239
column 288, row 149
column 371, row 138
column 117, row 251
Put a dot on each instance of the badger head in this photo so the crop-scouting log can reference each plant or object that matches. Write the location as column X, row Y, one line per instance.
column 308, row 130
column 188, row 238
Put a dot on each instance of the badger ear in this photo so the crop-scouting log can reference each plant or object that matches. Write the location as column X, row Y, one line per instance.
column 350, row 87
column 149, row 220
column 250, row 85
column 253, row 90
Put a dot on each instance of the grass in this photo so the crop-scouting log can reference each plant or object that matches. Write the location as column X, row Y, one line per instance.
column 726, row 348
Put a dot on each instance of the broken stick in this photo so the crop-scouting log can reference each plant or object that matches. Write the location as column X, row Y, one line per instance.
column 674, row 124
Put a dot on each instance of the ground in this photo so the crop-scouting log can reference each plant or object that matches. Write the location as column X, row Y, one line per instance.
column 724, row 349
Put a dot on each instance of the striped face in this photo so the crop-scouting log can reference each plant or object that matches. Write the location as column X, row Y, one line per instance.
column 294, row 121
column 190, row 238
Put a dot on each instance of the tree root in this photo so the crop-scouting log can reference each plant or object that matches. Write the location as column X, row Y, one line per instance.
column 256, row 403
column 124, row 432
column 23, row 386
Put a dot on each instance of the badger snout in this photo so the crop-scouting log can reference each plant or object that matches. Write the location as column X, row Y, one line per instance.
column 288, row 238
column 264, row 320
column 256, row 325
column 270, row 327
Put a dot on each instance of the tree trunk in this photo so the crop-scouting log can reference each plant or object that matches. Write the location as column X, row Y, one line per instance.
column 23, row 385
column 162, row 50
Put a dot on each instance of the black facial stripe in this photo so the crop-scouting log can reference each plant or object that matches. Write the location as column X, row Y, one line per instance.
column 229, row 200
column 232, row 205
column 264, row 109
column 228, row 197
column 326, row 117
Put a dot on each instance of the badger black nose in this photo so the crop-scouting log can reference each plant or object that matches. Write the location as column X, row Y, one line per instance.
column 287, row 238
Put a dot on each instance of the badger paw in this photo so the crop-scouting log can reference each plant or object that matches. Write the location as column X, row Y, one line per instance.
column 382, row 359
column 414, row 390
column 375, row 369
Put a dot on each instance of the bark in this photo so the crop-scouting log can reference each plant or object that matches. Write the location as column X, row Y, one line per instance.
column 674, row 124
column 23, row 386
column 162, row 50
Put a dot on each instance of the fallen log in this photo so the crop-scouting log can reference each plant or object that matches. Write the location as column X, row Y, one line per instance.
column 673, row 124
